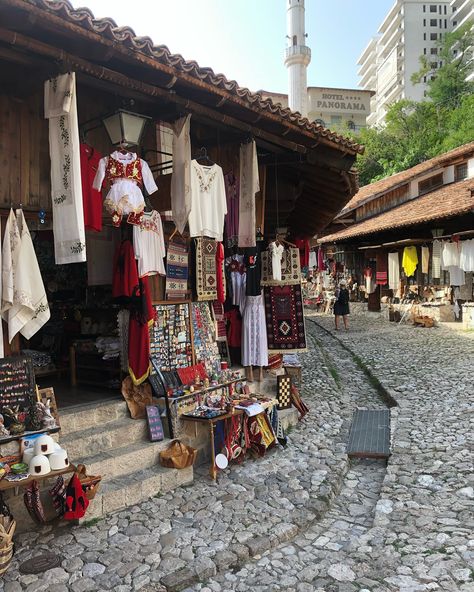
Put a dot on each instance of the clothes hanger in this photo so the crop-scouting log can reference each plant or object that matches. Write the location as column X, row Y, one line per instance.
column 279, row 240
column 204, row 156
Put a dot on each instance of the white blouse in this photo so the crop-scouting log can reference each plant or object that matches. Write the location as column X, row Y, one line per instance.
column 208, row 201
column 149, row 244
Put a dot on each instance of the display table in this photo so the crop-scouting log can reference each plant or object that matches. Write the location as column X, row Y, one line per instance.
column 5, row 485
column 210, row 422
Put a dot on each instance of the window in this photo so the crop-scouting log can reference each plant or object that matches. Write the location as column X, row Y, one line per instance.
column 336, row 119
column 433, row 36
column 424, row 78
column 445, row 9
column 433, row 22
column 424, row 7
column 434, row 51
column 460, row 172
column 432, row 7
column 424, row 22
column 445, row 24
column 295, row 40
column 424, row 50
column 455, row 23
column 429, row 184
column 424, row 36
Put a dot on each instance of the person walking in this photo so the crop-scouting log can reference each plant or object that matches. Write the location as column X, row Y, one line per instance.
column 341, row 306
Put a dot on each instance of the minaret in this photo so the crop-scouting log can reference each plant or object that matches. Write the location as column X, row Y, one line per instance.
column 297, row 57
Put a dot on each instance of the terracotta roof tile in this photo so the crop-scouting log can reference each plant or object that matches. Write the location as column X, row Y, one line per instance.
column 450, row 200
column 369, row 192
column 126, row 36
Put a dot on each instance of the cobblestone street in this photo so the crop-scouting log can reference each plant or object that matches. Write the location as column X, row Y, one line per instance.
column 303, row 518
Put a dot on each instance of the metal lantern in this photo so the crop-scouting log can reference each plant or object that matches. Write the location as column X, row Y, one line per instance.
column 125, row 128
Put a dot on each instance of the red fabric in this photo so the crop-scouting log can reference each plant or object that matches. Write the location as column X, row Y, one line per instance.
column 188, row 375
column 220, row 272
column 381, row 273
column 117, row 170
column 303, row 246
column 321, row 264
column 91, row 198
column 234, row 330
column 139, row 336
column 125, row 279
column 76, row 501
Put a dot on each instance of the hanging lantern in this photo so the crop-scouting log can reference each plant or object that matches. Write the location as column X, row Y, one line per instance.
column 125, row 128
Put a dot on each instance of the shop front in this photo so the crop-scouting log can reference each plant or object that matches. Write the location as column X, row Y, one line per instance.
column 155, row 221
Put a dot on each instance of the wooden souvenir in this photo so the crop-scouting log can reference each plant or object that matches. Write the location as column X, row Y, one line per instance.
column 284, row 392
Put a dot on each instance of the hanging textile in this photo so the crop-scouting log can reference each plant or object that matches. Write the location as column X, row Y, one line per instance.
column 219, row 318
column 220, row 275
column 320, row 258
column 436, row 260
column 66, row 188
column 234, row 327
column 206, row 273
column 181, row 177
column 125, row 276
column 30, row 310
column 10, row 252
column 466, row 258
column 253, row 266
column 425, row 259
column 236, row 269
column 450, row 255
column 208, row 201
column 141, row 319
column 91, row 198
column 313, row 259
column 176, row 271
column 370, row 285
column 2, row 353
column 393, row 271
column 290, row 270
column 285, row 319
column 149, row 244
column 409, row 260
column 254, row 333
column 381, row 273
column 232, row 191
column 249, row 186
column 303, row 246
column 276, row 251
column 457, row 276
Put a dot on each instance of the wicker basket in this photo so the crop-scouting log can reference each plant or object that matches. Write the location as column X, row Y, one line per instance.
column 90, row 483
column 7, row 530
column 178, row 455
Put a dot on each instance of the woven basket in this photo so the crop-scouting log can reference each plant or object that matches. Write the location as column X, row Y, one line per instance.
column 90, row 483
column 7, row 530
column 178, row 456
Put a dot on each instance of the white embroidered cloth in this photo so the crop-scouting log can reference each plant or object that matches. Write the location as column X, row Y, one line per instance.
column 181, row 178
column 66, row 189
column 30, row 309
column 249, row 186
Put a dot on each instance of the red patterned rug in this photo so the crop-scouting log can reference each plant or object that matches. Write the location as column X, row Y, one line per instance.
column 206, row 274
column 285, row 318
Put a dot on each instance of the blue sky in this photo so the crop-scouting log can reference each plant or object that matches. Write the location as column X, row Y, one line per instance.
column 245, row 39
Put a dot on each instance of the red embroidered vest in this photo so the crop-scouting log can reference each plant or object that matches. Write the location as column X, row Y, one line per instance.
column 118, row 170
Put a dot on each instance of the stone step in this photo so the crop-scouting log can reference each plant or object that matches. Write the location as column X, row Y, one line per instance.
column 120, row 461
column 131, row 489
column 82, row 417
column 114, row 434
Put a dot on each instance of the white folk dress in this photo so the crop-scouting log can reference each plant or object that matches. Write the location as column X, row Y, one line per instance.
column 126, row 173
column 149, row 244
column 208, row 201
column 254, row 333
column 277, row 255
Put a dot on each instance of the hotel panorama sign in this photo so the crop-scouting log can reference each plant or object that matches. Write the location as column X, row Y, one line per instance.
column 342, row 101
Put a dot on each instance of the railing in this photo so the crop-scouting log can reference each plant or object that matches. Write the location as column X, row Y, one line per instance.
column 294, row 50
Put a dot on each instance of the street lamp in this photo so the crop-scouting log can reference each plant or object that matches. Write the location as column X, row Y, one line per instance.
column 124, row 127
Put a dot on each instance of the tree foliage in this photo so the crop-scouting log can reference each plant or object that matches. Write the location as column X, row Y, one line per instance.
column 416, row 131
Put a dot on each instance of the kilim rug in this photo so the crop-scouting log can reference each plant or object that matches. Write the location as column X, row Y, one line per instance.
column 290, row 269
column 206, row 275
column 285, row 318
column 219, row 319
column 176, row 271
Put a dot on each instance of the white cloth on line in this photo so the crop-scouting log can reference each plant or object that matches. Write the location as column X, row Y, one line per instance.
column 313, row 260
column 208, row 201
column 425, row 259
column 125, row 194
column 393, row 271
column 181, row 177
column 277, row 255
column 249, row 186
column 456, row 276
column 254, row 333
column 10, row 252
column 60, row 108
column 466, row 258
column 149, row 244
column 30, row 309
column 436, row 259
column 450, row 255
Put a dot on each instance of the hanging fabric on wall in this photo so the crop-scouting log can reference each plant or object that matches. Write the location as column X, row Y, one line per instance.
column 149, row 244
column 466, row 258
column 254, row 333
column 206, row 274
column 30, row 309
column 290, row 270
column 285, row 319
column 303, row 246
column 232, row 191
column 457, row 276
column 220, row 275
column 425, row 259
column 253, row 265
column 370, row 285
column 177, row 271
column 393, row 271
column 208, row 201
column 141, row 319
column 66, row 188
column 381, row 273
column 249, row 186
column 10, row 252
column 409, row 260
column 436, row 261
column 181, row 177
column 2, row 353
column 91, row 198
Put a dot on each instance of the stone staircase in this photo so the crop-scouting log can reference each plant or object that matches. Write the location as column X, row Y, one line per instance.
column 109, row 443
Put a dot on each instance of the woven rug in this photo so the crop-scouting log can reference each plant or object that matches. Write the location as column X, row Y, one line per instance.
column 290, row 269
column 206, row 274
column 285, row 318
column 219, row 319
column 176, row 272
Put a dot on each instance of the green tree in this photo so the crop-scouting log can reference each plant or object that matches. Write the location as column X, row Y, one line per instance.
column 447, row 84
column 460, row 123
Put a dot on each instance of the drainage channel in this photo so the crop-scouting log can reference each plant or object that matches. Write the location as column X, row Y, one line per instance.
column 327, row 554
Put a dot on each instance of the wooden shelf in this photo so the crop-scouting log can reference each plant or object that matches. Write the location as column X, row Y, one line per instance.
column 5, row 485
column 7, row 439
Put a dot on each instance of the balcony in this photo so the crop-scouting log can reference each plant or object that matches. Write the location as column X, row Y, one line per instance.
column 297, row 50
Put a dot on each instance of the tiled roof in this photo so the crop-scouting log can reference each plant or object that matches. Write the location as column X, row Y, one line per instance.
column 369, row 192
column 126, row 37
column 447, row 201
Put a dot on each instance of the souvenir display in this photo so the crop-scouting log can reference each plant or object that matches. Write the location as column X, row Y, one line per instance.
column 170, row 337
column 204, row 337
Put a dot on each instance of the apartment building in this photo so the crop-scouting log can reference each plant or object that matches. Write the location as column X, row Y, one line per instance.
column 462, row 11
column 411, row 28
